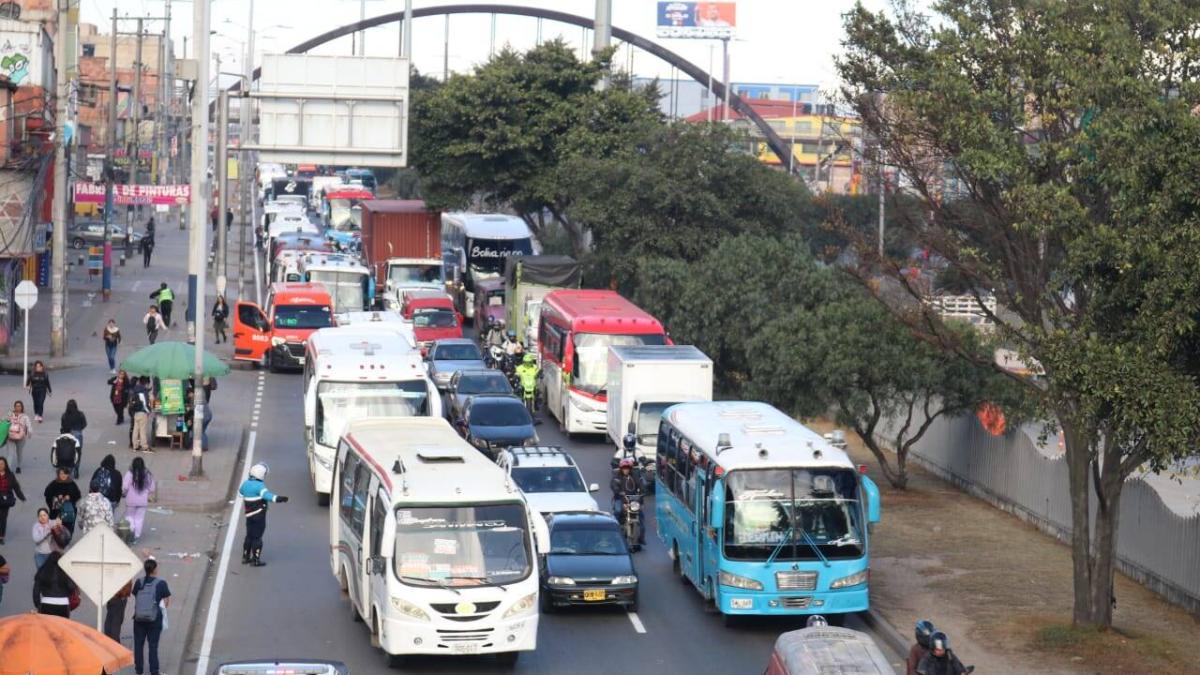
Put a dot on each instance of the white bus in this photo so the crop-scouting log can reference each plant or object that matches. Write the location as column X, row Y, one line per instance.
column 434, row 544
column 350, row 284
column 356, row 372
column 479, row 243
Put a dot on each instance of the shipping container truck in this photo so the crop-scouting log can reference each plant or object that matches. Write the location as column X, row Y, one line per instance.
column 402, row 244
column 527, row 279
column 645, row 380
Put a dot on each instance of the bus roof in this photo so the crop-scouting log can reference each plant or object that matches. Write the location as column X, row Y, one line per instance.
column 759, row 436
column 320, row 261
column 291, row 290
column 351, row 353
column 489, row 225
column 423, row 460
column 601, row 311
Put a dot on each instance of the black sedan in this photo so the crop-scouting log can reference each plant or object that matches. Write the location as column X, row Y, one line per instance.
column 492, row 422
column 467, row 383
column 588, row 563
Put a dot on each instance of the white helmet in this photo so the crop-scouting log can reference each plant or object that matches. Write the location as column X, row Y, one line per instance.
column 259, row 471
column 816, row 621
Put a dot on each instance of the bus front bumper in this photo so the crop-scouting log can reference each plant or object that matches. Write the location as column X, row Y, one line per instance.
column 736, row 601
column 453, row 638
column 585, row 415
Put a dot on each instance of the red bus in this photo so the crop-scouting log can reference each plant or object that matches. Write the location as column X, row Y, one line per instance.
column 575, row 330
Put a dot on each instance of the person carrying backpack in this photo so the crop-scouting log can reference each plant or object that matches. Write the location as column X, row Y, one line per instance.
column 109, row 480
column 150, row 597
column 65, row 453
column 154, row 323
column 62, row 498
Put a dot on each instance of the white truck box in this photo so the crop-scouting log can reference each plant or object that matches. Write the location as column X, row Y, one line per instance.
column 651, row 375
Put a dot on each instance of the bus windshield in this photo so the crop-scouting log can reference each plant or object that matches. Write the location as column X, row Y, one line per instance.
column 590, row 372
column 302, row 316
column 348, row 289
column 480, row 545
column 340, row 402
column 794, row 511
column 485, row 257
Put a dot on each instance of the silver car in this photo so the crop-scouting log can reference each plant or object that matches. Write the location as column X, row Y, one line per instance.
column 443, row 358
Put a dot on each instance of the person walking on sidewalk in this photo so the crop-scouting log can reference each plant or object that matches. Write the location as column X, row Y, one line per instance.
column 19, row 430
column 52, row 588
column 255, row 497
column 62, row 498
column 10, row 492
column 139, row 414
column 65, row 453
column 147, row 246
column 95, row 509
column 73, row 421
column 109, row 479
column 43, row 537
column 118, row 394
column 150, row 597
column 5, row 573
column 137, row 487
column 39, row 388
column 112, row 338
column 166, row 299
column 114, row 612
column 220, row 312
column 153, row 322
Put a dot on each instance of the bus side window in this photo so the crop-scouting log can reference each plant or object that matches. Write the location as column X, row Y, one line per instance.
column 349, row 468
column 362, row 479
column 378, row 516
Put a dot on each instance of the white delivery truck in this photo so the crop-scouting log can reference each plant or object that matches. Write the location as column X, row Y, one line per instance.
column 645, row 380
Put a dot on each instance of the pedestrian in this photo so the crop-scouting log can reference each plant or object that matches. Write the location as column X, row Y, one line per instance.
column 147, row 247
column 139, row 414
column 150, row 597
column 10, row 492
column 150, row 227
column 209, row 385
column 112, row 338
column 220, row 312
column 53, row 590
column 166, row 299
column 114, row 612
column 19, row 430
column 43, row 537
column 228, row 219
column 5, row 573
column 73, row 421
column 39, row 388
column 255, row 497
column 137, row 487
column 65, row 453
column 154, row 323
column 62, row 498
column 118, row 394
column 95, row 509
column 109, row 480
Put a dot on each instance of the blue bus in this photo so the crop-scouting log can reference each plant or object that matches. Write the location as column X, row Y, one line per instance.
column 762, row 514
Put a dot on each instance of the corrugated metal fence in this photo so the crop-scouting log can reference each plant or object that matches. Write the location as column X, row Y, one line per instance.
column 1155, row 546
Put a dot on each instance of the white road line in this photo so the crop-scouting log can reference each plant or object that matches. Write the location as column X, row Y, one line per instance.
column 214, row 603
column 633, row 619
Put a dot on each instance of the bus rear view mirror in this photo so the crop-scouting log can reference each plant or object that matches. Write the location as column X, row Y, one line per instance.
column 871, row 492
column 716, row 513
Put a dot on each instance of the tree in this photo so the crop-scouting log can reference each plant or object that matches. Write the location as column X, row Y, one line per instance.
column 502, row 133
column 1071, row 130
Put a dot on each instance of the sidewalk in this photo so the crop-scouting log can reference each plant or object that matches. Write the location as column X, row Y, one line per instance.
column 182, row 527
column 1002, row 590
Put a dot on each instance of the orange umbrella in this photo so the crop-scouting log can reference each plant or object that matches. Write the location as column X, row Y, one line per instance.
column 39, row 644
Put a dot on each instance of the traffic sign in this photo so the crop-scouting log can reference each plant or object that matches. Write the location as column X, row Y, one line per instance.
column 100, row 564
column 26, row 294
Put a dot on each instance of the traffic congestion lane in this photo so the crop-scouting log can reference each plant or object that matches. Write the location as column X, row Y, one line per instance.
column 293, row 606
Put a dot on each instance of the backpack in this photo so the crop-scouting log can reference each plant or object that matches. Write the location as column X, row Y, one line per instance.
column 64, row 451
column 67, row 512
column 151, row 324
column 16, row 431
column 145, row 601
column 104, row 480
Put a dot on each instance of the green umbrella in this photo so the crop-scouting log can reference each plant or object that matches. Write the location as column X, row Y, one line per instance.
column 172, row 361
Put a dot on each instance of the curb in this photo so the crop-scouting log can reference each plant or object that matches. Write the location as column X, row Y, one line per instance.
column 887, row 632
column 210, row 560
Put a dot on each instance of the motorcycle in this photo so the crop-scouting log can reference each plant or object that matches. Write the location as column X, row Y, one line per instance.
column 631, row 520
column 629, row 450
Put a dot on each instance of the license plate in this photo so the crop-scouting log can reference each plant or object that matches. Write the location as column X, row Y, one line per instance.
column 466, row 648
column 591, row 596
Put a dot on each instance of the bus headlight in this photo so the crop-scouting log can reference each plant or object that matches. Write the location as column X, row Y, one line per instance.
column 408, row 609
column 560, row 581
column 522, row 606
column 852, row 580
column 735, row 581
column 583, row 405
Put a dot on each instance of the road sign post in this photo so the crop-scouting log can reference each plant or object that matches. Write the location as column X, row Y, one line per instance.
column 100, row 564
column 26, row 295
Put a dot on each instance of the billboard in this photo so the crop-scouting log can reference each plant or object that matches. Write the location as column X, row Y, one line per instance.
column 125, row 195
column 696, row 19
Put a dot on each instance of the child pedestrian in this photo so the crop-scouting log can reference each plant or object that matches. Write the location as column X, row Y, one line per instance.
column 112, row 338
column 19, row 429
column 138, row 486
column 39, row 388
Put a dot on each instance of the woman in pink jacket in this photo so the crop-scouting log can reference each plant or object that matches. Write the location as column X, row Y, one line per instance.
column 137, row 487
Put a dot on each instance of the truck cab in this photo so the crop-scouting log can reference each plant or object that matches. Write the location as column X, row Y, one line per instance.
column 433, row 316
column 275, row 337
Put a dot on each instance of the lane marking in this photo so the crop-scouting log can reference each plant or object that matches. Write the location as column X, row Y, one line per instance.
column 214, row 603
column 633, row 619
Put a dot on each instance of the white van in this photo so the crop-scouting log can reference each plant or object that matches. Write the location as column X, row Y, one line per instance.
column 434, row 544
column 352, row 373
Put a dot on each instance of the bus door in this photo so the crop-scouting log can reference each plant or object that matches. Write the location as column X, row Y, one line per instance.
column 696, row 502
column 708, row 490
column 361, row 592
column 251, row 332
column 376, row 562
column 555, row 373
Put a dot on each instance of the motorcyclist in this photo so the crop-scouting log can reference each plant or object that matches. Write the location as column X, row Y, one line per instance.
column 626, row 483
column 816, row 621
column 255, row 497
column 924, row 630
column 940, row 660
column 512, row 346
column 494, row 336
column 527, row 373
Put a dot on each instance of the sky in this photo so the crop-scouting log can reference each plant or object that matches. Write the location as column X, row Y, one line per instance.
column 777, row 41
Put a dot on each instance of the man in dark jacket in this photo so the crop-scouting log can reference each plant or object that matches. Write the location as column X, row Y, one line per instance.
column 940, row 660
column 626, row 482
column 62, row 494
column 924, row 631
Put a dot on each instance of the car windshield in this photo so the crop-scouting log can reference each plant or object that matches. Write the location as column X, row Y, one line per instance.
column 338, row 403
column 302, row 316
column 457, row 352
column 486, row 257
column 462, row 545
column 414, row 274
column 434, row 318
column 500, row 413
column 591, row 357
column 485, row 382
column 648, row 418
column 565, row 540
column 795, row 511
column 534, row 479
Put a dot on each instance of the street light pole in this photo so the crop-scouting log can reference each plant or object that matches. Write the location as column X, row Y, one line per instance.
column 222, row 166
column 58, row 273
column 246, row 120
column 197, row 246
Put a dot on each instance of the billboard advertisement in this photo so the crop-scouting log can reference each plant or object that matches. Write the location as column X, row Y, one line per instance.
column 125, row 195
column 696, row 20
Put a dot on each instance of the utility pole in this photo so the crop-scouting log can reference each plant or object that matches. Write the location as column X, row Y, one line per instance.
column 446, row 51
column 602, row 36
column 164, row 97
column 109, row 204
column 135, row 155
column 58, row 273
column 246, row 119
column 360, row 45
column 406, row 32
column 728, row 84
column 222, row 165
column 199, row 214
